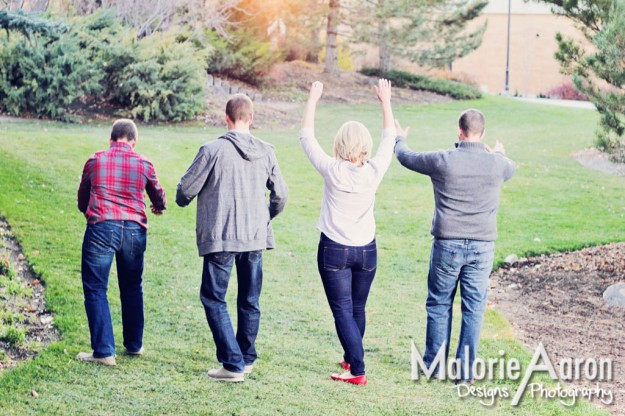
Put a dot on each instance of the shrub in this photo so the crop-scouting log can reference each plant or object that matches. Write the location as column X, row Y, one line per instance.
column 155, row 78
column 404, row 79
column 244, row 57
column 566, row 91
column 43, row 76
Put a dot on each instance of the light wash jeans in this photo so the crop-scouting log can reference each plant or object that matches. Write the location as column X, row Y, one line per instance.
column 469, row 264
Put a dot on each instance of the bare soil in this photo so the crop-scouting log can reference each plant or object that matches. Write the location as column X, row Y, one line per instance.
column 29, row 312
column 558, row 300
column 593, row 158
column 287, row 90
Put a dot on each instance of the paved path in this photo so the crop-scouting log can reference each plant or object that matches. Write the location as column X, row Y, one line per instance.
column 562, row 103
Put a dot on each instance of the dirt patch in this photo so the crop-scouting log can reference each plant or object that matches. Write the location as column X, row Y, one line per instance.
column 281, row 102
column 26, row 326
column 558, row 300
column 595, row 159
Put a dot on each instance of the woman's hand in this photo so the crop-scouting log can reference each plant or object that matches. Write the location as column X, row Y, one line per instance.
column 383, row 91
column 316, row 90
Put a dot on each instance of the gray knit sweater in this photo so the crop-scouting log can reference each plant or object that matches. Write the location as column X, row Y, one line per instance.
column 467, row 182
column 230, row 176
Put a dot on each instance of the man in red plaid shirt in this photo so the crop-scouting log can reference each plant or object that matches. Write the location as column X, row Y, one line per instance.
column 111, row 195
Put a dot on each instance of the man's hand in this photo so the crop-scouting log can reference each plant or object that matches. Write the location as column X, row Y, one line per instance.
column 155, row 211
column 400, row 131
column 497, row 149
column 316, row 89
column 383, row 91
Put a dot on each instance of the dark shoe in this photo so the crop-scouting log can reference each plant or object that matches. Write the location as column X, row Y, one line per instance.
column 344, row 364
column 464, row 382
column 140, row 352
column 349, row 378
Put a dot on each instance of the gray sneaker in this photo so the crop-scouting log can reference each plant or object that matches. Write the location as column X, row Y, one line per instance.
column 221, row 374
column 248, row 369
column 89, row 358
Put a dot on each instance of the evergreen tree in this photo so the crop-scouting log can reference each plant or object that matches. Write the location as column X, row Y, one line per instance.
column 601, row 74
column 431, row 33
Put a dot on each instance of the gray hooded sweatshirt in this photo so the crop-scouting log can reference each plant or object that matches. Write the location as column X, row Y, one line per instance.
column 230, row 176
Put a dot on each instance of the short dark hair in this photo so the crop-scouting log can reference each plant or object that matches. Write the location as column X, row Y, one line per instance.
column 124, row 128
column 239, row 108
column 471, row 122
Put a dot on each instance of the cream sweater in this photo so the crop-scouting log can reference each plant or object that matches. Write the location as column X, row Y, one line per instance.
column 349, row 191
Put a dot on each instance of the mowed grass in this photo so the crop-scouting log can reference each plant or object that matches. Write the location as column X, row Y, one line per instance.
column 551, row 204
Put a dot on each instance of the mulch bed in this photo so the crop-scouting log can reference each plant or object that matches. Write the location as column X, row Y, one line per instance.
column 558, row 300
column 36, row 320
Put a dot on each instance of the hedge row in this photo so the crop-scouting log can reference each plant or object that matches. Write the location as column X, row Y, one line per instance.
column 404, row 79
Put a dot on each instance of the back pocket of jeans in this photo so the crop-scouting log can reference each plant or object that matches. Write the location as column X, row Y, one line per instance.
column 101, row 241
column 139, row 243
column 334, row 258
column 369, row 260
column 254, row 257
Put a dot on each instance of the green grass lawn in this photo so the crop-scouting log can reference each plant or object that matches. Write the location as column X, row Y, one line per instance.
column 551, row 198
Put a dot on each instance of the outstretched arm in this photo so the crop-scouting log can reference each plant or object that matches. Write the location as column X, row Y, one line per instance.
column 509, row 167
column 384, row 155
column 422, row 162
column 308, row 122
column 383, row 91
column 319, row 159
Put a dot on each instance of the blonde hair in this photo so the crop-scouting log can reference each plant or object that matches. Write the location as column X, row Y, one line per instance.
column 353, row 142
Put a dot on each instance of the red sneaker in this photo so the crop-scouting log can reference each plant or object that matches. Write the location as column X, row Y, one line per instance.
column 344, row 364
column 349, row 378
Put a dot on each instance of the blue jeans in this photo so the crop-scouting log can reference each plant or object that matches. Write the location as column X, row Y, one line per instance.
column 452, row 262
column 234, row 352
column 347, row 273
column 125, row 241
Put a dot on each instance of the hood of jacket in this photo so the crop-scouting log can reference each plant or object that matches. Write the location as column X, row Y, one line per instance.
column 248, row 146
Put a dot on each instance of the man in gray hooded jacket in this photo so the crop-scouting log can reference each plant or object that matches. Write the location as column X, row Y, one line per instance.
column 230, row 176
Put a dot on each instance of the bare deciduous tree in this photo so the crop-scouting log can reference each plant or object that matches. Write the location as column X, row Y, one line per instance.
column 149, row 16
column 26, row 5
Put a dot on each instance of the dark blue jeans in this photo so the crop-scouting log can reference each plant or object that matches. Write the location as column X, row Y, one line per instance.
column 347, row 273
column 234, row 352
column 453, row 263
column 125, row 241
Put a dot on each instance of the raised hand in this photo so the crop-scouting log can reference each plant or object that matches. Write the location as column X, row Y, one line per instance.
column 383, row 91
column 308, row 121
column 316, row 90
column 498, row 148
column 400, row 131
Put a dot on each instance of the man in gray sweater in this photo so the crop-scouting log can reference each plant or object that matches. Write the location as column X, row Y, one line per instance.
column 230, row 176
column 467, row 181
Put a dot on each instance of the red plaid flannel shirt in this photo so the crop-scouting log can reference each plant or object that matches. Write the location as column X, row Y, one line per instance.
column 112, row 186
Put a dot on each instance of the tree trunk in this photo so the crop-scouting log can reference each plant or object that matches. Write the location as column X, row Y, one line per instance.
column 384, row 64
column 332, row 56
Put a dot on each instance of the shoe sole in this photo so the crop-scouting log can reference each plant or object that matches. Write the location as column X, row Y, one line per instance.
column 227, row 380
column 350, row 381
